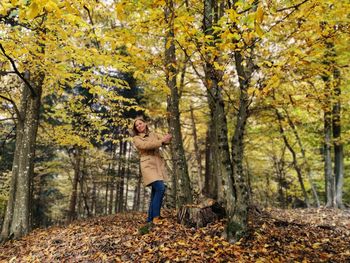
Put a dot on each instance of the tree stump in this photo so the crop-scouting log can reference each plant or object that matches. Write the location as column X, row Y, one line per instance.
column 201, row 214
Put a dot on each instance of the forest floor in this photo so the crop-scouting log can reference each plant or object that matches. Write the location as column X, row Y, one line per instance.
column 300, row 235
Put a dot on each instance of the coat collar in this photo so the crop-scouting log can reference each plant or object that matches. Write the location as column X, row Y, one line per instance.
column 143, row 135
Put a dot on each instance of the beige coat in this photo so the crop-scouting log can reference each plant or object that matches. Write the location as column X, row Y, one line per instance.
column 152, row 164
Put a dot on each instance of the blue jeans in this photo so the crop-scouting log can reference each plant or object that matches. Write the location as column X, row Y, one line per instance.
column 157, row 194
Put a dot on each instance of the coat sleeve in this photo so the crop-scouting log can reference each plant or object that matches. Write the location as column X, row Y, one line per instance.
column 147, row 143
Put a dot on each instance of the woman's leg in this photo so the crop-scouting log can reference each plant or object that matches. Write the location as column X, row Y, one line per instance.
column 150, row 208
column 158, row 189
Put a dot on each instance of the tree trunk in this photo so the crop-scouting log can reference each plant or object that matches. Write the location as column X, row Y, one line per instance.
column 213, row 11
column 329, row 179
column 121, row 179
column 281, row 179
column 211, row 182
column 337, row 143
column 219, row 145
column 295, row 161
column 111, row 189
column 137, row 193
column 17, row 217
column 218, row 122
column 76, row 160
column 334, row 183
column 249, row 179
column 199, row 215
column 267, row 196
column 93, row 199
column 128, row 175
column 84, row 192
column 118, row 174
column 111, row 175
column 238, row 218
column 184, row 191
column 105, row 208
column 197, row 153
column 305, row 162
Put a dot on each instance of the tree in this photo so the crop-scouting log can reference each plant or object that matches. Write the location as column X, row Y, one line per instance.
column 46, row 59
column 180, row 170
column 218, row 123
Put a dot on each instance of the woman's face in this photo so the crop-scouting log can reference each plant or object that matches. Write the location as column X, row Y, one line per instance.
column 140, row 126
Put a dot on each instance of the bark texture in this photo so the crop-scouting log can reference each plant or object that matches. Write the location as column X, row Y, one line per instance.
column 76, row 161
column 180, row 169
column 199, row 215
column 18, row 210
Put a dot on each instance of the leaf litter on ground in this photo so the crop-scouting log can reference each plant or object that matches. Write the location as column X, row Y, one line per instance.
column 275, row 235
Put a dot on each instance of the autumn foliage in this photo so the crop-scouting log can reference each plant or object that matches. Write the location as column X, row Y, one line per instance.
column 256, row 94
column 302, row 235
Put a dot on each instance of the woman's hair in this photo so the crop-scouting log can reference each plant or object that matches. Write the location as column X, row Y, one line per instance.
column 134, row 130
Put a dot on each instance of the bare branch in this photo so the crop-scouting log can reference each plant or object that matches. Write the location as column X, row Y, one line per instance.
column 8, row 136
column 189, row 59
column 13, row 104
column 4, row 73
column 249, row 8
column 32, row 91
column 6, row 119
column 96, row 42
column 296, row 6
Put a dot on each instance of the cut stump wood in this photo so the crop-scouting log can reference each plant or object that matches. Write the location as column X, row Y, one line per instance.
column 201, row 214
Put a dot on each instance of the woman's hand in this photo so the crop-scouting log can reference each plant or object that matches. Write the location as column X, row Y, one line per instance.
column 167, row 138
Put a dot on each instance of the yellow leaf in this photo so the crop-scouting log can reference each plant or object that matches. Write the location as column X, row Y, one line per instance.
column 258, row 30
column 119, row 9
column 259, row 15
column 232, row 14
column 33, row 10
column 51, row 6
column 316, row 245
column 218, row 66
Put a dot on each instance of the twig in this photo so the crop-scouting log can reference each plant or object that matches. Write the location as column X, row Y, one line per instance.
column 292, row 7
column 6, row 119
column 13, row 104
column 4, row 73
column 32, row 91
column 96, row 42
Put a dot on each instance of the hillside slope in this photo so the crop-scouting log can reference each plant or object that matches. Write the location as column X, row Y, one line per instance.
column 308, row 235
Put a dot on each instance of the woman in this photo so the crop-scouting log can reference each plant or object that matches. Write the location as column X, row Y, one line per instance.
column 153, row 169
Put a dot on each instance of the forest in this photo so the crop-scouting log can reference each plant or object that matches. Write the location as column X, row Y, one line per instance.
column 254, row 92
